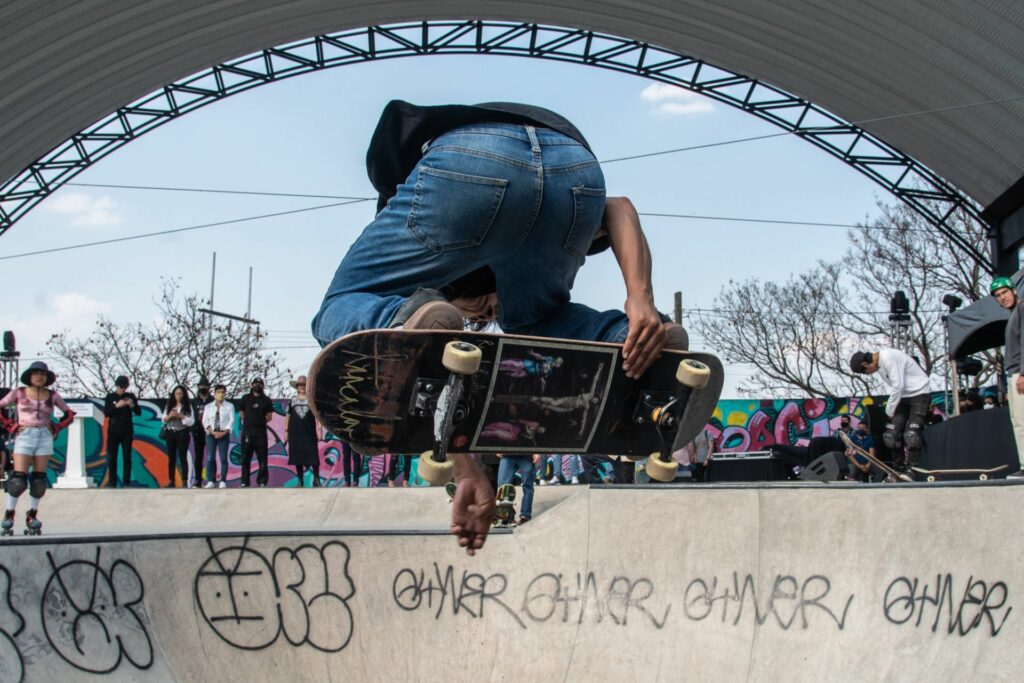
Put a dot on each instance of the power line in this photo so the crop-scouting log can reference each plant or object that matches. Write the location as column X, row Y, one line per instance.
column 177, row 230
column 213, row 191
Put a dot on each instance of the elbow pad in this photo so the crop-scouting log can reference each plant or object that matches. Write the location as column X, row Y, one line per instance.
column 69, row 416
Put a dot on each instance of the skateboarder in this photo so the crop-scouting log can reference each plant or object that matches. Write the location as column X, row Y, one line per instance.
column 909, row 398
column 491, row 208
column 1006, row 295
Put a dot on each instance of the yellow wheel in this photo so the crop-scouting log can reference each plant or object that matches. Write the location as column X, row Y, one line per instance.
column 655, row 414
column 931, row 478
column 659, row 470
column 435, row 473
column 692, row 373
column 983, row 477
column 461, row 358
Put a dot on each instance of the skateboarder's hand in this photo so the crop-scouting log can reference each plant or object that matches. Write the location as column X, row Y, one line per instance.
column 472, row 511
column 1020, row 385
column 646, row 336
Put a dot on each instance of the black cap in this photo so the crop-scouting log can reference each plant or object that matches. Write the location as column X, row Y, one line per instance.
column 203, row 381
column 858, row 360
column 256, row 379
column 121, row 381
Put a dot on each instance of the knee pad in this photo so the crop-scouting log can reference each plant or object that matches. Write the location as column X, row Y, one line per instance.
column 891, row 438
column 912, row 437
column 37, row 487
column 17, row 483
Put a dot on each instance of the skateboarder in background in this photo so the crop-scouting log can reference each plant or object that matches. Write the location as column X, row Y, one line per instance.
column 909, row 398
column 1006, row 295
column 491, row 209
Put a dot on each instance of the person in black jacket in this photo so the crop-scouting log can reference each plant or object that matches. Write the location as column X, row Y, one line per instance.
column 119, row 407
column 199, row 402
column 256, row 410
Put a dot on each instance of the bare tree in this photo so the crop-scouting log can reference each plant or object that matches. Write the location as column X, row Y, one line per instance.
column 176, row 349
column 799, row 335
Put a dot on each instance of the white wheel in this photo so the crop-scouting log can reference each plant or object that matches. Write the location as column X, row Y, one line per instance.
column 461, row 358
column 983, row 477
column 692, row 373
column 659, row 470
column 435, row 473
column 931, row 478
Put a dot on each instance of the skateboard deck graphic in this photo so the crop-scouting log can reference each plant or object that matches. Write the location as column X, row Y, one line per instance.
column 893, row 474
column 968, row 473
column 378, row 390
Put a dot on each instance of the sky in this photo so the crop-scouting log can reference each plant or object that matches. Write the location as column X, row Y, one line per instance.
column 308, row 135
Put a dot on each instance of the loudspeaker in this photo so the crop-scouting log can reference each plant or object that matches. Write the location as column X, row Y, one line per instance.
column 825, row 468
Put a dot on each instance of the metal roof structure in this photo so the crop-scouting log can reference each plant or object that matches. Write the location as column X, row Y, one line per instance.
column 941, row 81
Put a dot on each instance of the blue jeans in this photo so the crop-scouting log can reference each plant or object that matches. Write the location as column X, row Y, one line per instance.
column 507, row 469
column 524, row 202
column 556, row 466
column 221, row 447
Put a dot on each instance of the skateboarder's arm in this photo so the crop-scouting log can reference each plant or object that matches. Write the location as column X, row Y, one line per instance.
column 646, row 335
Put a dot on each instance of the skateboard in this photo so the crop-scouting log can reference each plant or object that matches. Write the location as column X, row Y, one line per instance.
column 438, row 392
column 969, row 473
column 893, row 474
column 505, row 514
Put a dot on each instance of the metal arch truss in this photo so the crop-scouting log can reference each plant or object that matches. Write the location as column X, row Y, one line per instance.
column 927, row 193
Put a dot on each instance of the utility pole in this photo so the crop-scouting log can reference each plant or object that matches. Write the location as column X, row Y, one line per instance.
column 677, row 313
column 246, row 319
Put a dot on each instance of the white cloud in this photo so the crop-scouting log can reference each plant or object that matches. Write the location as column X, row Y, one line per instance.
column 72, row 311
column 85, row 210
column 671, row 100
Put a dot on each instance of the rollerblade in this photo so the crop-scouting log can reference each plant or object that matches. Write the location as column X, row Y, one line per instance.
column 7, row 525
column 33, row 527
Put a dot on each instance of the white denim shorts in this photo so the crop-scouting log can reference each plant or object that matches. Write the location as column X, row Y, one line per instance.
column 33, row 441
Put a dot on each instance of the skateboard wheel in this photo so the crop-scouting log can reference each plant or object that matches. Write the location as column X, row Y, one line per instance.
column 461, row 358
column 931, row 477
column 983, row 477
column 659, row 470
column 433, row 472
column 693, row 374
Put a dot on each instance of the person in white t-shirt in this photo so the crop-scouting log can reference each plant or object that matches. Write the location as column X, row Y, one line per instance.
column 909, row 399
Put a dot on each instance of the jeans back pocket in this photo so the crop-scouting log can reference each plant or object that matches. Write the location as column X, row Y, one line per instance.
column 588, row 210
column 453, row 210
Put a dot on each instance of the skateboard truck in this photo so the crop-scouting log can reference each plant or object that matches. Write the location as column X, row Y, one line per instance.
column 461, row 359
column 692, row 375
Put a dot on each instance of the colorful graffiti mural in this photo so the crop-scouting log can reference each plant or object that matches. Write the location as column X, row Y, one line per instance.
column 149, row 454
column 739, row 425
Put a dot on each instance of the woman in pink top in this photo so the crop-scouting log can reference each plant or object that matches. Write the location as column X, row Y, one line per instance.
column 33, row 444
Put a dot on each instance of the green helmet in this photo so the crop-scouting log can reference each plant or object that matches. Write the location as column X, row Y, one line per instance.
column 999, row 283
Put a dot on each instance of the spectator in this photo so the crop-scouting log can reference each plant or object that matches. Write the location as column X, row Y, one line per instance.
column 989, row 402
column 558, row 463
column 119, row 407
column 859, row 466
column 199, row 402
column 218, row 418
column 702, row 449
column 352, row 464
column 177, row 419
column 406, row 469
column 1005, row 293
column 522, row 465
column 909, row 398
column 256, row 410
column 302, row 435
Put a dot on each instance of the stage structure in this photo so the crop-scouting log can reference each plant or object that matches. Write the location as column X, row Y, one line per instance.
column 925, row 99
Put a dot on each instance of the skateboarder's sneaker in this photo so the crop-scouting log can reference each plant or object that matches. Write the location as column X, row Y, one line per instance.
column 523, row 519
column 427, row 309
column 1019, row 474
